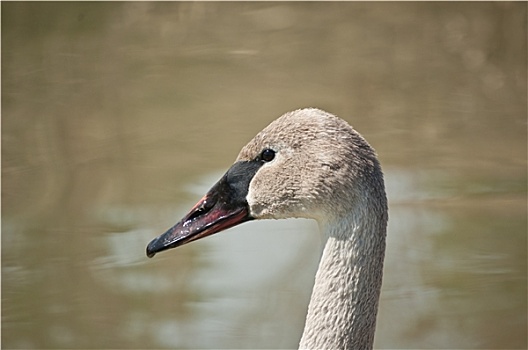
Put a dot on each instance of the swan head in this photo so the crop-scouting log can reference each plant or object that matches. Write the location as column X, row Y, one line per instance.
column 307, row 163
column 321, row 167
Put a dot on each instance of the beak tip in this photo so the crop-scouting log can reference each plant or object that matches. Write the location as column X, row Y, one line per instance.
column 151, row 250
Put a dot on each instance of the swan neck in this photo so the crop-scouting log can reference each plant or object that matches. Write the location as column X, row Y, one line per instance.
column 343, row 308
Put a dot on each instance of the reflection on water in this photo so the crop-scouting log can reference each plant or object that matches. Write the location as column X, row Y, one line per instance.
column 117, row 117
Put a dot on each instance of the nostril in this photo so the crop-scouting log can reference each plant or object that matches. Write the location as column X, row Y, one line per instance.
column 204, row 207
column 196, row 213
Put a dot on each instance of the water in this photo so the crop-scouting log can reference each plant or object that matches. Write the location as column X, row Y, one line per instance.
column 117, row 118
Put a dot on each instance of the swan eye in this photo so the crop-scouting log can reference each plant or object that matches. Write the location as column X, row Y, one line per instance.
column 267, row 155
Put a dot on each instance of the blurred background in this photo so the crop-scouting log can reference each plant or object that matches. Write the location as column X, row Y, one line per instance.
column 118, row 117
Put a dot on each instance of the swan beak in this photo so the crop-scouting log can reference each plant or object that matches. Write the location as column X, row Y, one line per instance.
column 224, row 206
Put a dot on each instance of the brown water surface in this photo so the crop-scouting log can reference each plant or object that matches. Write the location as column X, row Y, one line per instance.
column 117, row 117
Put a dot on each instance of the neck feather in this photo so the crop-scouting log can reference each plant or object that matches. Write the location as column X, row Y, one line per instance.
column 344, row 304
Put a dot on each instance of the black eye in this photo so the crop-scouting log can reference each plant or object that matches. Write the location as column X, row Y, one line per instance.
column 267, row 155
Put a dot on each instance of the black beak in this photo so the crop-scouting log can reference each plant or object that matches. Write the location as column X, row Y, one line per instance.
column 224, row 206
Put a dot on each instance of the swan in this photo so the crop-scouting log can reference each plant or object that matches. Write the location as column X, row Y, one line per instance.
column 309, row 164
